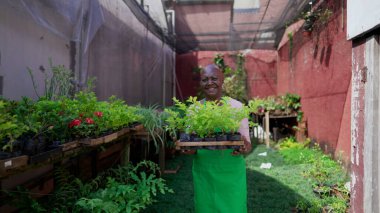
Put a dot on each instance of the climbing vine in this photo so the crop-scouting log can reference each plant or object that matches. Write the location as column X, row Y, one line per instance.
column 235, row 81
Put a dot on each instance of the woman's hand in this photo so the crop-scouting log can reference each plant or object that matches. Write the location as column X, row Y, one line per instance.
column 245, row 149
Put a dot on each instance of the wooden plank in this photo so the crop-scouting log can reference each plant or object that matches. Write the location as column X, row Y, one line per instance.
column 161, row 157
column 123, row 132
column 13, row 163
column 210, row 143
column 267, row 129
column 125, row 153
column 92, row 141
column 110, row 137
column 138, row 127
column 110, row 150
column 70, row 145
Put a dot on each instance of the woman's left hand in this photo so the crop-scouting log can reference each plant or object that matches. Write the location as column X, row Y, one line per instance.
column 245, row 149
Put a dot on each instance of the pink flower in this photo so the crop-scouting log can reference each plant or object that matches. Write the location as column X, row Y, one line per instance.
column 75, row 122
column 98, row 114
column 89, row 121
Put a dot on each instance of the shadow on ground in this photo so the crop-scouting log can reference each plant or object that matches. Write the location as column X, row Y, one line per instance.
column 265, row 193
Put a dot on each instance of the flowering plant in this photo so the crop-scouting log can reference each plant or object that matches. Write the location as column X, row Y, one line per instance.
column 86, row 126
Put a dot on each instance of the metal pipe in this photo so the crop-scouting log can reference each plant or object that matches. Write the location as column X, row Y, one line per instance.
column 164, row 79
column 172, row 14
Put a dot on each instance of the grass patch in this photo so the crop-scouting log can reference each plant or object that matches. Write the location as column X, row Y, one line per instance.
column 282, row 188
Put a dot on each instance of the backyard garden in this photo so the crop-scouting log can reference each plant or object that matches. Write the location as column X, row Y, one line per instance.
column 189, row 106
column 289, row 176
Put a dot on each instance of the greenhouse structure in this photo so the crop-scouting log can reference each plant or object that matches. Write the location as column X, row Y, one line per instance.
column 189, row 106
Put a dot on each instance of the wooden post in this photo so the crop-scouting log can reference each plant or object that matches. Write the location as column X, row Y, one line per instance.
column 263, row 132
column 126, row 151
column 267, row 129
column 161, row 157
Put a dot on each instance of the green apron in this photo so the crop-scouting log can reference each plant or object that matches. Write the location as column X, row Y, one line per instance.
column 219, row 182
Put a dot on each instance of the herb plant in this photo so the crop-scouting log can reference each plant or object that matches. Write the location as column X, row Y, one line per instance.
column 207, row 118
column 10, row 128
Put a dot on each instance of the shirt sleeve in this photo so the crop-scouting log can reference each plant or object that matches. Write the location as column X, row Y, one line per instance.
column 244, row 129
column 244, row 125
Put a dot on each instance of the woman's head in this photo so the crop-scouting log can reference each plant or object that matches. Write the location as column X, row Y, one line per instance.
column 212, row 82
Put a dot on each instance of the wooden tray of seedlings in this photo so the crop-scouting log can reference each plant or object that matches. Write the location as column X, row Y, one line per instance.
column 205, row 144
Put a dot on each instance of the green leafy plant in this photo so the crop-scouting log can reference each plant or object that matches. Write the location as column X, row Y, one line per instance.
column 121, row 189
column 174, row 119
column 309, row 17
column 235, row 81
column 316, row 18
column 10, row 127
column 153, row 123
column 51, row 120
column 120, row 114
column 207, row 118
column 131, row 194
column 24, row 201
column 58, row 83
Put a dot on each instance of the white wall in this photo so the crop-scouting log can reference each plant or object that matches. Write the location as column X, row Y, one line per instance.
column 371, row 126
column 362, row 16
column 156, row 11
column 23, row 44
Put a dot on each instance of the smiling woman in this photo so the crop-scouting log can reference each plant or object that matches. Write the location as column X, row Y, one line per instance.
column 211, row 82
column 219, row 176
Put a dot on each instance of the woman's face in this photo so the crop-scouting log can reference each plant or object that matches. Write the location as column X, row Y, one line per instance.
column 212, row 82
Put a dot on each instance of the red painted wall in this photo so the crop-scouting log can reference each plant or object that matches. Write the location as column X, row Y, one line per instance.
column 318, row 68
column 259, row 64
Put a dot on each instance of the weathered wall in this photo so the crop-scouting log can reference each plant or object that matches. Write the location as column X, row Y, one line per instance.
column 24, row 43
column 318, row 67
column 260, row 66
column 365, row 124
column 357, row 126
column 128, row 60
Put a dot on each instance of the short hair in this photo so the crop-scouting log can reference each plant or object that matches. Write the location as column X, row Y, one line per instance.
column 211, row 67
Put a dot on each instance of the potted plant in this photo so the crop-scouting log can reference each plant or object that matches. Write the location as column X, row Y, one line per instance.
column 309, row 17
column 292, row 102
column 153, row 123
column 10, row 130
column 211, row 118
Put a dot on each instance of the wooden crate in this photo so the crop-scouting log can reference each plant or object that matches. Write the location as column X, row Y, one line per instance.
column 12, row 163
